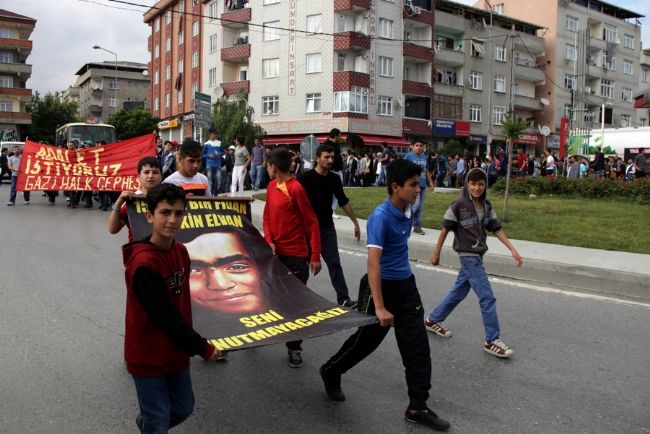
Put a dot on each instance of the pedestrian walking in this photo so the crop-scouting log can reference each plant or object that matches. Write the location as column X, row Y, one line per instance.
column 212, row 151
column 257, row 164
column 241, row 162
column 13, row 163
column 418, row 157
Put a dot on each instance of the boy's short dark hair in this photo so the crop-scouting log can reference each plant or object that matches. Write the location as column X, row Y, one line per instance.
column 324, row 148
column 334, row 132
column 212, row 130
column 399, row 171
column 190, row 148
column 241, row 140
column 476, row 174
column 164, row 192
column 149, row 161
column 281, row 158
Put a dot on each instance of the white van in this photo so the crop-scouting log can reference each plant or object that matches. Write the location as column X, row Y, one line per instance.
column 10, row 145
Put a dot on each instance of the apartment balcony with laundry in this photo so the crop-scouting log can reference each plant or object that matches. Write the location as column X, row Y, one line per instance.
column 448, row 81
column 239, row 49
column 417, row 46
column 449, row 49
column 419, row 11
column 236, row 16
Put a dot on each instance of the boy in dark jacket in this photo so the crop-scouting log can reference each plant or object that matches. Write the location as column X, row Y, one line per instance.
column 159, row 337
column 468, row 217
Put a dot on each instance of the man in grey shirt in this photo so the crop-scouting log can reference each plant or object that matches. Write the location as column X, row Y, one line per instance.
column 14, row 166
column 639, row 164
column 257, row 164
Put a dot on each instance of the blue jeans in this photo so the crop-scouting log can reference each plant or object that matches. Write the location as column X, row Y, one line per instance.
column 165, row 401
column 256, row 175
column 329, row 250
column 214, row 178
column 471, row 275
column 417, row 207
column 12, row 194
column 382, row 175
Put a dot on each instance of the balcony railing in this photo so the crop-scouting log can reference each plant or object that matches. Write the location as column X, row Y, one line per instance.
column 16, row 68
column 16, row 117
column 416, row 88
column 445, row 56
column 346, row 5
column 344, row 80
column 236, row 53
column 417, row 51
column 351, row 41
column 16, row 91
column 16, row 43
column 232, row 87
column 237, row 18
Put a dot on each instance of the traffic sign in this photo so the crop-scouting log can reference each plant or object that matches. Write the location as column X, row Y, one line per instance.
column 204, row 97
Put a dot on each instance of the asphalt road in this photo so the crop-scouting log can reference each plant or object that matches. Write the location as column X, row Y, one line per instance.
column 581, row 363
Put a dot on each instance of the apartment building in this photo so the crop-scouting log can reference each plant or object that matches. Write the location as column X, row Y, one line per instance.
column 642, row 98
column 103, row 88
column 485, row 69
column 15, row 48
column 592, row 52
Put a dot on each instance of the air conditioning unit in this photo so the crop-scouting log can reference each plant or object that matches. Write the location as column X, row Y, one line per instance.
column 617, row 41
column 417, row 10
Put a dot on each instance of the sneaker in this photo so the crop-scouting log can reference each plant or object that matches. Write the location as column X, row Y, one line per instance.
column 10, row 204
column 335, row 216
column 498, row 348
column 427, row 417
column 350, row 304
column 332, row 382
column 418, row 230
column 437, row 328
column 295, row 358
column 27, row 203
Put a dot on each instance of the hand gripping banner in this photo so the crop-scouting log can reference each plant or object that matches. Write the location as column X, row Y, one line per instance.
column 111, row 167
column 242, row 295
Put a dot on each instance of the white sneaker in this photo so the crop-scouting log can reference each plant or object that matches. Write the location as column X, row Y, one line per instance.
column 498, row 348
column 335, row 216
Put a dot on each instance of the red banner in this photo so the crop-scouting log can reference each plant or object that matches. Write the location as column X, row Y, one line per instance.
column 565, row 134
column 112, row 167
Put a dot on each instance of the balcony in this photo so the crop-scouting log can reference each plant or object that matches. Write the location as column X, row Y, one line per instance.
column 95, row 108
column 22, row 118
column 351, row 41
column 236, row 19
column 448, row 89
column 346, row 5
column 534, row 45
column 526, row 72
column 232, row 87
column 344, row 80
column 600, row 44
column 450, row 57
column 416, row 88
column 527, row 103
column 16, row 91
column 417, row 127
column 16, row 68
column 417, row 53
column 19, row 44
column 97, row 90
column 420, row 15
column 447, row 22
column 237, row 53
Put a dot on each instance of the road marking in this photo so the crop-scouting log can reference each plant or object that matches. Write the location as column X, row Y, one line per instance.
column 534, row 287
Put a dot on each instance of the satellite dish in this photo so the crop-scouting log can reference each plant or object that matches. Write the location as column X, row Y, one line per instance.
column 218, row 91
column 544, row 101
column 545, row 131
column 308, row 147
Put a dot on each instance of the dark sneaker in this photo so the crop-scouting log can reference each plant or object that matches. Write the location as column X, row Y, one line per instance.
column 418, row 230
column 498, row 348
column 10, row 204
column 437, row 328
column 332, row 382
column 295, row 358
column 427, row 417
column 350, row 304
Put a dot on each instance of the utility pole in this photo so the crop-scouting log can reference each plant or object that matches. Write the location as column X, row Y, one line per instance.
column 511, row 112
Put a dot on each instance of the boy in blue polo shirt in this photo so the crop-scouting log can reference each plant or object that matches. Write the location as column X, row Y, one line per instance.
column 394, row 299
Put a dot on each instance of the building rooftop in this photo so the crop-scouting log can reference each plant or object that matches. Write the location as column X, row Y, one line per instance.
column 121, row 66
column 608, row 9
column 7, row 14
column 503, row 21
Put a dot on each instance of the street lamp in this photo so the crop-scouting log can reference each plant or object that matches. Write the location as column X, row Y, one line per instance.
column 602, row 123
column 97, row 47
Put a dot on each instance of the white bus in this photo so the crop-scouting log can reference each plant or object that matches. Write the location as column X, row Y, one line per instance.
column 85, row 132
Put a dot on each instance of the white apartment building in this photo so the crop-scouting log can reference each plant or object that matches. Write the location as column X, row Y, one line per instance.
column 362, row 66
column 485, row 69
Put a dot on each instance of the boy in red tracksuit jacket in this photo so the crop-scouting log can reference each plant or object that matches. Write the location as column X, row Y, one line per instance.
column 159, row 337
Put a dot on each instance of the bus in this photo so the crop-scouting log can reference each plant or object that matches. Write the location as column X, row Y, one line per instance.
column 85, row 132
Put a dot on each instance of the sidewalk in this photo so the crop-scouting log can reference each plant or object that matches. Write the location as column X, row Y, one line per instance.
column 602, row 271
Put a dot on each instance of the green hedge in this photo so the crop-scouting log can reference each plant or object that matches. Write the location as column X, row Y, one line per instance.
column 638, row 191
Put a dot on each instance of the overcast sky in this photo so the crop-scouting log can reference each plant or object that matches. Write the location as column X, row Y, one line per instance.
column 66, row 31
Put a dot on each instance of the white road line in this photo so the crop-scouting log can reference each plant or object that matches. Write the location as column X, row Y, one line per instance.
column 534, row 287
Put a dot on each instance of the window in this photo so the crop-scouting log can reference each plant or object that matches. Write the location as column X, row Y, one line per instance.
column 314, row 23
column 168, row 99
column 6, row 106
column 7, row 33
column 195, row 89
column 6, row 57
column 156, row 25
column 212, row 77
column 385, row 105
column 447, row 106
column 478, row 48
column 497, row 114
column 570, row 52
column 168, row 17
column 270, row 68
column 212, row 11
column 180, row 38
column 270, row 2
column 112, row 102
column 6, row 81
column 195, row 59
column 313, row 102
column 475, row 113
column 179, row 97
column 627, row 67
column 628, row 41
column 643, row 122
column 356, row 100
column 499, row 83
column 627, row 94
column 213, row 43
column 476, row 80
column 195, row 27
column 156, row 103
column 271, row 32
column 500, row 53
column 243, row 73
column 644, row 76
column 498, row 9
column 168, row 72
column 626, row 120
column 314, row 63
column 569, row 81
column 156, row 77
column 607, row 88
column 113, row 84
column 385, row 28
column 181, row 7
column 385, row 66
column 567, row 111
column 168, row 44
column 270, row 105
column 609, row 33
column 181, row 65
column 571, row 23
column 156, row 51
column 609, row 62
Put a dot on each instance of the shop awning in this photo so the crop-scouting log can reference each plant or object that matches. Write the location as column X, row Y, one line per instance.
column 378, row 140
column 294, row 139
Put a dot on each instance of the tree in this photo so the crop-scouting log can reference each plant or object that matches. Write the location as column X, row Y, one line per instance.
column 133, row 123
column 452, row 147
column 512, row 128
column 48, row 113
column 232, row 118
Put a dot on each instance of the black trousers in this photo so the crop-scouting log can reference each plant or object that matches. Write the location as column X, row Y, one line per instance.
column 402, row 299
column 299, row 266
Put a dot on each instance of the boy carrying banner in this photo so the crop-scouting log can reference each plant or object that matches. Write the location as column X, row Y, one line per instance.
column 394, row 299
column 159, row 337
